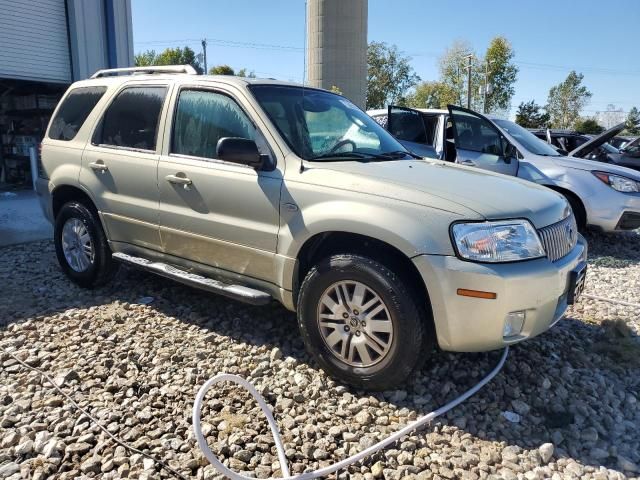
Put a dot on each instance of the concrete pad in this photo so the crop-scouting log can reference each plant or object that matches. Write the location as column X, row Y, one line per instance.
column 21, row 219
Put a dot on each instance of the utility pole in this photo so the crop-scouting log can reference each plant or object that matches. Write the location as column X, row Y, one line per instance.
column 204, row 51
column 469, row 58
column 486, row 86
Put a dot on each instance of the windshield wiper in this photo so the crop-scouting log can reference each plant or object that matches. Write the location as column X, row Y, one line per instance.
column 396, row 155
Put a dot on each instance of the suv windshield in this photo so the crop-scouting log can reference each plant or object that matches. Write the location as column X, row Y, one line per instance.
column 527, row 139
column 319, row 125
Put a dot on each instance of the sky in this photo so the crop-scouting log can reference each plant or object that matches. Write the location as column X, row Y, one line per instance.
column 550, row 38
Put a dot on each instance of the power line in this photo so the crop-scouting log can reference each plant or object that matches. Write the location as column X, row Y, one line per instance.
column 226, row 43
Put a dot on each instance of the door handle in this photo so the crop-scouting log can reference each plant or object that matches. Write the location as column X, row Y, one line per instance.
column 468, row 162
column 179, row 179
column 99, row 166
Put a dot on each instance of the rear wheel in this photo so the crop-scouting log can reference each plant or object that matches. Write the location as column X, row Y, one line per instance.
column 81, row 246
column 362, row 323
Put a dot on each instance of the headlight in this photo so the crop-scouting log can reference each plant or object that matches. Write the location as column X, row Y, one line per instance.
column 619, row 183
column 503, row 241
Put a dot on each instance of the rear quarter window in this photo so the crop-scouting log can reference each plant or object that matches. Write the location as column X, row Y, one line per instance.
column 73, row 112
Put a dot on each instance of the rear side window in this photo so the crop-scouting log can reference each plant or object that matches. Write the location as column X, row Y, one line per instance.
column 74, row 110
column 131, row 120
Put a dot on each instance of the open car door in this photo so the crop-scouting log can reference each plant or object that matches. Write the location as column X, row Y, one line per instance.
column 480, row 143
column 407, row 125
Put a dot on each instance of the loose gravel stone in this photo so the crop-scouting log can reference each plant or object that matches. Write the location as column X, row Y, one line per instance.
column 137, row 365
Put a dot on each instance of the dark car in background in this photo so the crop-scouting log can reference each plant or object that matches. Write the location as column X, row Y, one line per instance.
column 590, row 147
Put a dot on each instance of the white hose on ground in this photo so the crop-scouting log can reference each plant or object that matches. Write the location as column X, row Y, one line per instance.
column 224, row 377
column 609, row 300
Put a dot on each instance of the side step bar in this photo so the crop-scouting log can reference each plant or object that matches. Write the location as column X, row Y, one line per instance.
column 237, row 292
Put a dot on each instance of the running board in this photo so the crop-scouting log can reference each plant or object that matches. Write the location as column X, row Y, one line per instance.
column 237, row 292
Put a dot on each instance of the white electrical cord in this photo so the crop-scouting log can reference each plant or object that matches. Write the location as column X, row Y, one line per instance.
column 608, row 300
column 225, row 377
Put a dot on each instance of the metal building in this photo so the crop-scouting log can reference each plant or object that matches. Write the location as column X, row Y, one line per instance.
column 45, row 45
column 337, row 46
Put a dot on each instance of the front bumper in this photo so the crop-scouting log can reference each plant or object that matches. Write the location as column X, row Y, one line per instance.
column 464, row 324
column 613, row 211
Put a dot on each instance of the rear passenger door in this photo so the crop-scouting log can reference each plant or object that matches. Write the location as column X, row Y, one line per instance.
column 120, row 163
column 214, row 212
column 479, row 143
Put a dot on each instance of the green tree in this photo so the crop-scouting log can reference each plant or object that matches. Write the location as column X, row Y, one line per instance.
column 431, row 95
column 243, row 73
column 588, row 126
column 170, row 56
column 146, row 59
column 566, row 100
column 389, row 75
column 502, row 74
column 632, row 124
column 221, row 70
column 529, row 115
column 453, row 65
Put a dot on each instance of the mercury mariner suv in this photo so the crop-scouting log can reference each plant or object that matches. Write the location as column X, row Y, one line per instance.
column 261, row 190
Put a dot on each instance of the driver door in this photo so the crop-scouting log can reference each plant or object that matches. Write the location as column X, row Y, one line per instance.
column 407, row 125
column 479, row 143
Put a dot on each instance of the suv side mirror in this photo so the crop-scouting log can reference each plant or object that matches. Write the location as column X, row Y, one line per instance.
column 509, row 151
column 239, row 150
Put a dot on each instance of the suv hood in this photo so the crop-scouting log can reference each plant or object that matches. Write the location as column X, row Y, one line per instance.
column 591, row 165
column 430, row 182
column 596, row 141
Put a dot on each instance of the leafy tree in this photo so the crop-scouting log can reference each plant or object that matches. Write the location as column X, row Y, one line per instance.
column 146, row 59
column 243, row 73
column 502, row 74
column 529, row 115
column 221, row 70
column 566, row 100
column 588, row 126
column 453, row 72
column 432, row 95
column 170, row 56
column 389, row 75
column 632, row 124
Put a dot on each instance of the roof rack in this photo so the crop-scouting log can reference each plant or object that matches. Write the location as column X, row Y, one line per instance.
column 188, row 69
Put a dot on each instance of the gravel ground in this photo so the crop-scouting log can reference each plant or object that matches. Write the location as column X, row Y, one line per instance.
column 570, row 395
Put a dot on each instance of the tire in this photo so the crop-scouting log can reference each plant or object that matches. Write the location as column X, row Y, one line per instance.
column 578, row 212
column 404, row 348
column 100, row 267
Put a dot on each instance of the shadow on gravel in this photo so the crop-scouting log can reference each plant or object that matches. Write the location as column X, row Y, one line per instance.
column 564, row 389
column 624, row 246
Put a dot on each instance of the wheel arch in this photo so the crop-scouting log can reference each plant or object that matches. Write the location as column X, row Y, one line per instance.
column 322, row 245
column 66, row 193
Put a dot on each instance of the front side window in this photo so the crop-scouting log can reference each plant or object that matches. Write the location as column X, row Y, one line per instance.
column 74, row 111
column 131, row 121
column 202, row 118
column 475, row 134
column 319, row 125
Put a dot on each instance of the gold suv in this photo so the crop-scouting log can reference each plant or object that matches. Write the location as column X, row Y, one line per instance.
column 260, row 190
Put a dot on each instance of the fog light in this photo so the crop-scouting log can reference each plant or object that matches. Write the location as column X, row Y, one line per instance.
column 513, row 323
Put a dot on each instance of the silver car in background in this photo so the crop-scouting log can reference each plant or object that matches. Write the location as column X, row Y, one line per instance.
column 602, row 196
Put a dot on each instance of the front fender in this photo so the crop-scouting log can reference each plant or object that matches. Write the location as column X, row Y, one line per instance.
column 410, row 228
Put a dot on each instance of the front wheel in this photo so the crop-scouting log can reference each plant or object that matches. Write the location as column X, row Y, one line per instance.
column 362, row 323
column 81, row 246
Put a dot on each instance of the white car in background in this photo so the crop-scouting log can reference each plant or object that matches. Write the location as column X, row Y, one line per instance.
column 603, row 196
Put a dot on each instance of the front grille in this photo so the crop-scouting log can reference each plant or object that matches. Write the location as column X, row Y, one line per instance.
column 560, row 238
